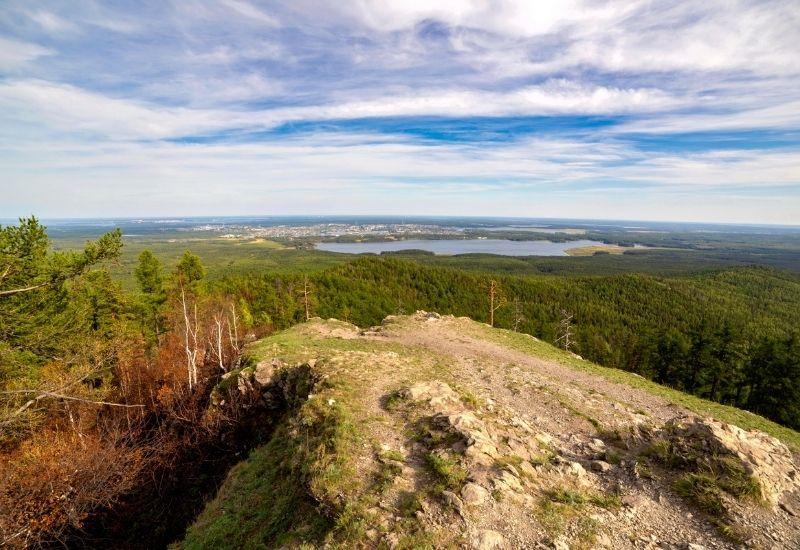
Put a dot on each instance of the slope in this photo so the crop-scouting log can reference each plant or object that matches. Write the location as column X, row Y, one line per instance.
column 432, row 431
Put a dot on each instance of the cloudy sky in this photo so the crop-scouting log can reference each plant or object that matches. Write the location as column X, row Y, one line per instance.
column 629, row 110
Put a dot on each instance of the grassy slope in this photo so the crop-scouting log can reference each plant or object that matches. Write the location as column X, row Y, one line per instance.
column 273, row 497
column 276, row 495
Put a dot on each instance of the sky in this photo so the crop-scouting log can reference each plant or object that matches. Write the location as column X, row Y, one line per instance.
column 643, row 110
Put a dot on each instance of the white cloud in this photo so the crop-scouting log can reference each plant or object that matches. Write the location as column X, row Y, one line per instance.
column 51, row 22
column 70, row 109
column 15, row 54
column 249, row 11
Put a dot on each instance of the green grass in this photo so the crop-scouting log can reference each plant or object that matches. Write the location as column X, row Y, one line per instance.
column 262, row 503
column 299, row 487
column 449, row 474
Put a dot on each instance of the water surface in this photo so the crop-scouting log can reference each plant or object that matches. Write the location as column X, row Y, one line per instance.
column 502, row 247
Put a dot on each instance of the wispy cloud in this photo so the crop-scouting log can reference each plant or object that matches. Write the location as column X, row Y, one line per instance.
column 521, row 103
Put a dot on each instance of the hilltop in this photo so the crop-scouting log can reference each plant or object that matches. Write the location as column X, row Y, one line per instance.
column 439, row 431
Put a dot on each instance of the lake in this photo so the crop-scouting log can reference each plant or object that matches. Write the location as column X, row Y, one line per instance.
column 502, row 247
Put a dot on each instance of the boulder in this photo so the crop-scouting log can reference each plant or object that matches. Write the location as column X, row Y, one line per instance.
column 473, row 494
column 764, row 457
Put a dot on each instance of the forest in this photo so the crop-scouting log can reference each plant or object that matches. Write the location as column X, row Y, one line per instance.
column 104, row 391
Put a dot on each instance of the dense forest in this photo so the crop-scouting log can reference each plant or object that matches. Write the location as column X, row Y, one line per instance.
column 727, row 335
column 104, row 392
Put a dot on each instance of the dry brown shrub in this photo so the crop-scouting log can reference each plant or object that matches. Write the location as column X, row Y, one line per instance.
column 52, row 482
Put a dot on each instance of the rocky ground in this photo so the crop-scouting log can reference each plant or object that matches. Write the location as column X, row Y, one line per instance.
column 459, row 435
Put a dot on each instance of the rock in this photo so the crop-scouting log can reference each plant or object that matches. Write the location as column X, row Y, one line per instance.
column 481, row 453
column 508, row 482
column 264, row 371
column 438, row 394
column 603, row 541
column 631, row 501
column 392, row 540
column 473, row 494
column 762, row 456
column 452, row 499
column 527, row 469
column 560, row 544
column 488, row 540
column 576, row 469
column 600, row 466
column 786, row 507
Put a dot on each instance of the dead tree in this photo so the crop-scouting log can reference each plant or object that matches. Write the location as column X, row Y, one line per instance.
column 190, row 340
column 564, row 335
column 306, row 292
column 216, row 345
column 233, row 337
column 496, row 300
column 519, row 315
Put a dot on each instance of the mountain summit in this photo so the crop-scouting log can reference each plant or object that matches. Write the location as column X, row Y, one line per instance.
column 434, row 431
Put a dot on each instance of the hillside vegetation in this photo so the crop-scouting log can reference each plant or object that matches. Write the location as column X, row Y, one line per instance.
column 119, row 415
column 728, row 335
column 440, row 432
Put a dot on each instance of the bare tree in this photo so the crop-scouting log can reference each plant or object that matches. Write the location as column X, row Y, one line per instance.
column 233, row 336
column 496, row 300
column 519, row 315
column 564, row 335
column 306, row 292
column 216, row 345
column 190, row 340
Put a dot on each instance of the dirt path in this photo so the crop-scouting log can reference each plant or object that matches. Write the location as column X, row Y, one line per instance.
column 578, row 413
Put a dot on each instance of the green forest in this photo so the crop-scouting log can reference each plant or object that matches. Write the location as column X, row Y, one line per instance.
column 130, row 370
column 727, row 335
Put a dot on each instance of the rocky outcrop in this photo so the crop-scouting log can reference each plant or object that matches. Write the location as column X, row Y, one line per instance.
column 762, row 457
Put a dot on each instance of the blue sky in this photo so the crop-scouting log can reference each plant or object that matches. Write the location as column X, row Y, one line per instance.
column 625, row 110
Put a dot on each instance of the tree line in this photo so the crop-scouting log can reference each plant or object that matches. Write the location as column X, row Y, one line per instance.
column 728, row 335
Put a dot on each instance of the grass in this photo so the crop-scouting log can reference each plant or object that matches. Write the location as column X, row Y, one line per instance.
column 577, row 498
column 743, row 419
column 449, row 474
column 563, row 507
column 263, row 502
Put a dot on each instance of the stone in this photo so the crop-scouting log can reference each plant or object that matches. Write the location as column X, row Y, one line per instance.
column 600, row 466
column 488, row 540
column 631, row 501
column 264, row 371
column 437, row 393
column 786, row 507
column 560, row 544
column 509, row 481
column 576, row 469
column 452, row 499
column 762, row 456
column 473, row 494
column 603, row 541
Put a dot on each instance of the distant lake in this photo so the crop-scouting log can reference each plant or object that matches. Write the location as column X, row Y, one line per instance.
column 502, row 247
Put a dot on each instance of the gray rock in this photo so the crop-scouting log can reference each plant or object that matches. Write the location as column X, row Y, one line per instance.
column 452, row 499
column 473, row 494
column 488, row 540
